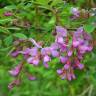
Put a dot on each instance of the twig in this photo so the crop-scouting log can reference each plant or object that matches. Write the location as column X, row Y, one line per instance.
column 90, row 91
column 85, row 91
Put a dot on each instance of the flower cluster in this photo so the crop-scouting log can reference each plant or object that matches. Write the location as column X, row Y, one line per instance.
column 75, row 13
column 73, row 51
column 69, row 47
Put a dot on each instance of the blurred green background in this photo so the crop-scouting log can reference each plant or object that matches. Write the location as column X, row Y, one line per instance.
column 37, row 19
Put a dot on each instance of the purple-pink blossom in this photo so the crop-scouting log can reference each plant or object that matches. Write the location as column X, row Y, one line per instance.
column 61, row 31
column 69, row 47
column 8, row 13
column 15, row 71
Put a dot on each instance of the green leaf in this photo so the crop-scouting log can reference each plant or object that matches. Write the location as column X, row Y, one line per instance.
column 10, row 7
column 8, row 40
column 3, row 21
column 20, row 35
column 43, row 2
column 52, row 21
column 91, row 61
column 4, row 30
column 89, row 28
column 14, row 28
column 0, row 43
column 55, row 2
column 5, row 49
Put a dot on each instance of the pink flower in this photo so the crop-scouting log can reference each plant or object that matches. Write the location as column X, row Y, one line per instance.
column 69, row 77
column 75, row 43
column 25, row 52
column 30, row 77
column 75, row 12
column 59, row 71
column 80, row 66
column 16, row 70
column 46, row 65
column 63, row 48
column 60, row 40
column 66, row 66
column 46, row 58
column 89, row 48
column 83, row 49
column 70, row 53
column 55, row 53
column 33, row 60
column 8, row 14
column 73, row 76
column 61, row 31
column 13, row 83
column 54, row 46
column 46, row 51
column 63, row 59
column 33, row 51
column 30, row 60
column 15, row 53
column 79, row 32
column 10, row 86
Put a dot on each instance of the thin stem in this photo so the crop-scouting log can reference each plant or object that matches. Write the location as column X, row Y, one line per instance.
column 85, row 91
column 90, row 91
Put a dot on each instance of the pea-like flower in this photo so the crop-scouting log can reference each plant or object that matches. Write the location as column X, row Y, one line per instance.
column 69, row 48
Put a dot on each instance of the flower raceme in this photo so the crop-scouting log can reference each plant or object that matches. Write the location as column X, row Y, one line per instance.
column 73, row 53
column 68, row 47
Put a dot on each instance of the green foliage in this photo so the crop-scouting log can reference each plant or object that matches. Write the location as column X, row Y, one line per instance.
column 20, row 35
column 37, row 19
column 8, row 40
column 89, row 28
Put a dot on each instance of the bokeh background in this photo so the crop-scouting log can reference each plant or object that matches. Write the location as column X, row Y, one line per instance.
column 37, row 19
